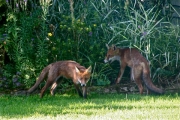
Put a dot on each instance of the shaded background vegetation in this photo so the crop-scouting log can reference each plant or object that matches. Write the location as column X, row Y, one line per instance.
column 36, row 33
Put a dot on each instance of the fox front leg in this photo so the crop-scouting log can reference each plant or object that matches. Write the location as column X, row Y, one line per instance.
column 78, row 90
column 84, row 89
column 121, row 72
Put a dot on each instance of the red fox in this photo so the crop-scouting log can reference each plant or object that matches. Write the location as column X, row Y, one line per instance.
column 68, row 69
column 139, row 66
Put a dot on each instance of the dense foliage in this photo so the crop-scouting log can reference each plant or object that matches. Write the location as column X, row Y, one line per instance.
column 38, row 33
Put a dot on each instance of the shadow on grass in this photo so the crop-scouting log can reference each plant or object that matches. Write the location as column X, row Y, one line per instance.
column 27, row 106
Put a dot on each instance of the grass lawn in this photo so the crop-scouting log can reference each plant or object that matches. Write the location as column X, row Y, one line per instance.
column 96, row 107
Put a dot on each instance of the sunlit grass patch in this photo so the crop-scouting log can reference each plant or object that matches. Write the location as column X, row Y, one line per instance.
column 97, row 106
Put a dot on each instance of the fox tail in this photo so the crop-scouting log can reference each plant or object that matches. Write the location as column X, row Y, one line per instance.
column 42, row 76
column 148, row 82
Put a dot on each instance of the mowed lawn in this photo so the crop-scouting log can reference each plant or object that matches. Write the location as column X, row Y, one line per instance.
column 96, row 107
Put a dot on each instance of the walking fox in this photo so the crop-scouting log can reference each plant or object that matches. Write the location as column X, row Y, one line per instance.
column 139, row 66
column 68, row 69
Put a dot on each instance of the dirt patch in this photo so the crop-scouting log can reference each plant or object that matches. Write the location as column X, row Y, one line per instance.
column 119, row 88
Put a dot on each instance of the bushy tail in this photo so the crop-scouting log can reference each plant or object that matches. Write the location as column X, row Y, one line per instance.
column 148, row 82
column 42, row 76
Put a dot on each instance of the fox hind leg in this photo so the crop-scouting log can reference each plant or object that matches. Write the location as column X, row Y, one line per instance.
column 54, row 85
column 136, row 75
column 48, row 83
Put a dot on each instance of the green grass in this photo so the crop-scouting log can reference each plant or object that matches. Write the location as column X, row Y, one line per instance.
column 96, row 107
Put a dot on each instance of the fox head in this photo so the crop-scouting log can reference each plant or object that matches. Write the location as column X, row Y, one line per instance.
column 112, row 54
column 83, row 77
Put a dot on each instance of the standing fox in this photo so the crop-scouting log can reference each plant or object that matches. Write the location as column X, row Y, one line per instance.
column 139, row 66
column 68, row 69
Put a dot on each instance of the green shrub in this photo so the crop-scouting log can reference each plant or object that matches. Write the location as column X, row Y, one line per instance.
column 48, row 31
column 157, row 41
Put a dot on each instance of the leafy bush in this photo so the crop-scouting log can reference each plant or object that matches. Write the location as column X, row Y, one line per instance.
column 27, row 44
column 47, row 31
column 156, row 40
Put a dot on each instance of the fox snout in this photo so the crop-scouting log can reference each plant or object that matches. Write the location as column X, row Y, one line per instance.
column 111, row 59
column 82, row 84
column 105, row 60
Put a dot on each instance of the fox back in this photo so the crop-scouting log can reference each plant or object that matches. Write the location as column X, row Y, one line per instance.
column 128, row 56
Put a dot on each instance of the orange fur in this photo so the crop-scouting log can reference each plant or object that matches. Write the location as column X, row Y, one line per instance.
column 139, row 66
column 68, row 69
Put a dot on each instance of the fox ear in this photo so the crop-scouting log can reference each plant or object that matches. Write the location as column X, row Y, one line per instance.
column 77, row 70
column 107, row 46
column 89, row 69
